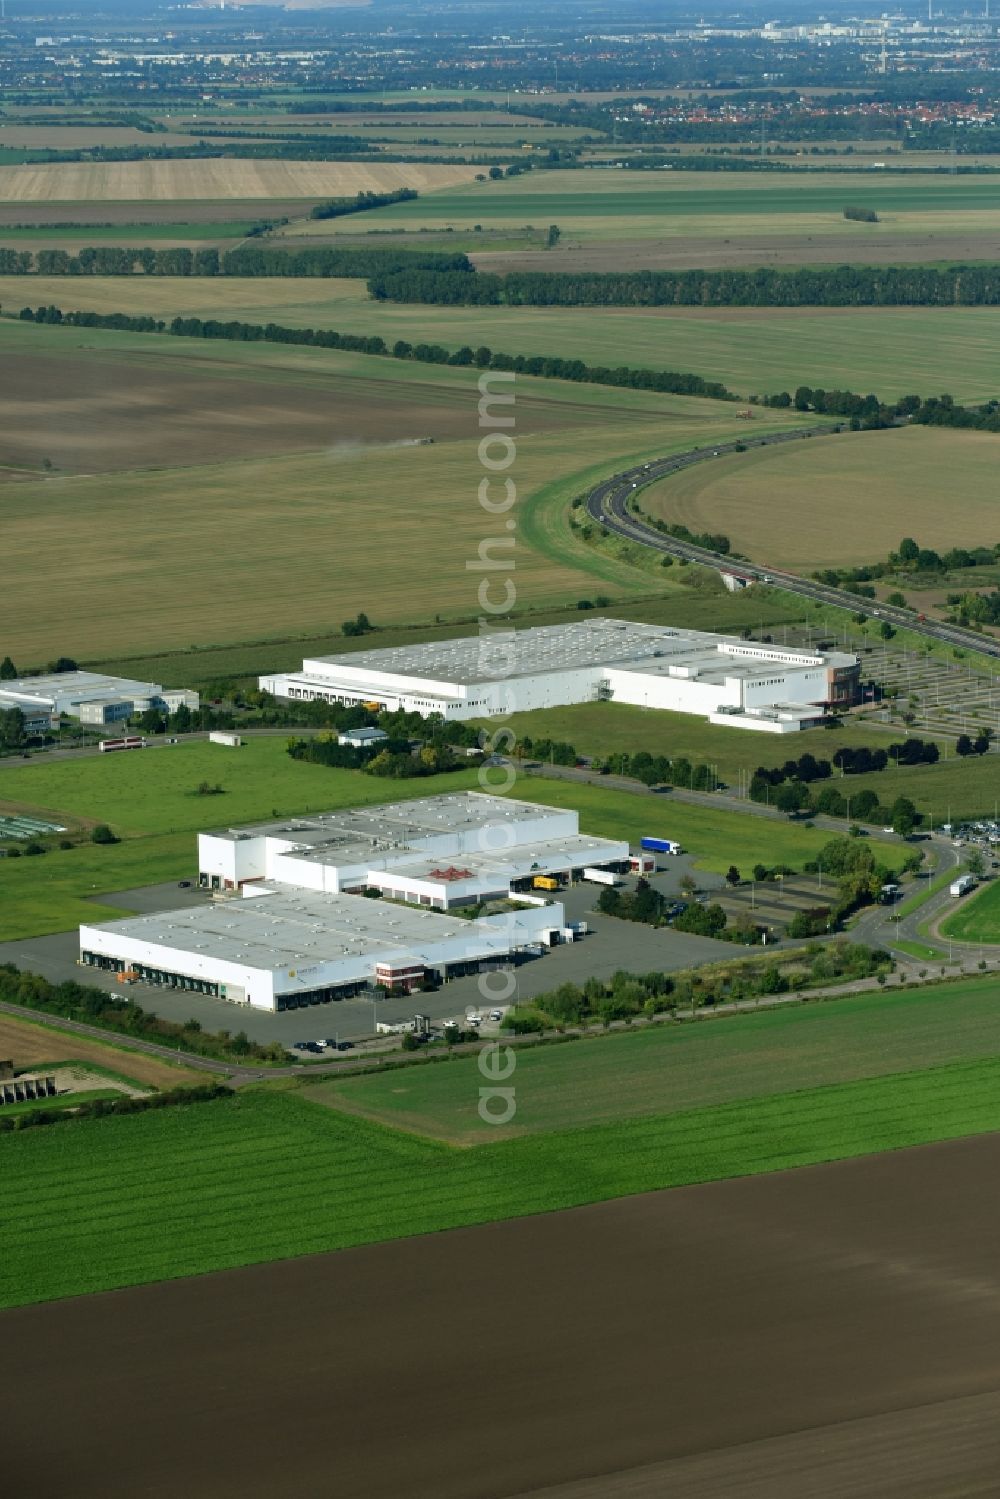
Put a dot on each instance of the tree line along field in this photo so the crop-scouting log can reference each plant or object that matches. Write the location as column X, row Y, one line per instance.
column 165, row 398
column 612, row 220
column 969, row 787
column 608, row 728
column 365, row 520
column 600, row 203
column 99, row 1204
column 151, row 799
column 841, row 501
column 673, row 1068
column 889, row 351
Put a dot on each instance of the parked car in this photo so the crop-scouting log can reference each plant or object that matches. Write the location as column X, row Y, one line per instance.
column 184, row 884
column 345, row 1045
column 496, row 1014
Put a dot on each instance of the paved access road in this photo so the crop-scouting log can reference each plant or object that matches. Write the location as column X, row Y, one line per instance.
column 608, row 504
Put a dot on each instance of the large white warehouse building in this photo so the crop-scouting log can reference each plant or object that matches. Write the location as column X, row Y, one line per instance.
column 727, row 680
column 288, row 949
column 295, row 929
column 439, row 851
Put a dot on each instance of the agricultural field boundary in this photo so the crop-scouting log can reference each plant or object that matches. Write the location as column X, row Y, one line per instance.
column 263, row 1177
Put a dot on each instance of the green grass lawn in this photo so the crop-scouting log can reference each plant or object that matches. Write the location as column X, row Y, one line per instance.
column 970, row 786
column 619, row 197
column 52, row 893
column 156, row 790
column 150, row 799
column 608, row 728
column 136, row 234
column 966, row 788
column 977, row 918
column 715, row 836
column 673, row 1068
column 920, row 950
column 97, row 1204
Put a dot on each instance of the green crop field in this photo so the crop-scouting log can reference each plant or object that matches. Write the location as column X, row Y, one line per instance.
column 977, row 919
column 98, row 1204
column 673, row 1068
column 576, row 199
column 125, row 234
column 714, row 218
column 888, row 350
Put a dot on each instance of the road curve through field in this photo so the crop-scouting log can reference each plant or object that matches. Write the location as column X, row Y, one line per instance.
column 608, row 504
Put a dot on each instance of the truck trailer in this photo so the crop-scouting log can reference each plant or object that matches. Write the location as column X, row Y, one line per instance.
column 963, row 884
column 219, row 736
column 602, row 876
column 660, row 845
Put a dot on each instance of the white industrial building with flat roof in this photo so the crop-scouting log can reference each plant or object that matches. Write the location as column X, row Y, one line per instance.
column 92, row 697
column 289, row 948
column 292, row 925
column 739, row 683
column 438, row 851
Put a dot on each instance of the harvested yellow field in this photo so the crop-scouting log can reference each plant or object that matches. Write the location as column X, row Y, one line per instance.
column 180, row 181
column 843, row 500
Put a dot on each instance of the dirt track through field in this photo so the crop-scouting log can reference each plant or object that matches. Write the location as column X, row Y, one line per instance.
column 97, row 413
column 829, row 1332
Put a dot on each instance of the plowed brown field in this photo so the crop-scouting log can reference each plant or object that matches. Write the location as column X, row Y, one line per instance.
column 99, row 412
column 831, row 1332
column 27, row 1045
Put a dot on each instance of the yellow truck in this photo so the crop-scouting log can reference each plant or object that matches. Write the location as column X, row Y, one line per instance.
column 545, row 882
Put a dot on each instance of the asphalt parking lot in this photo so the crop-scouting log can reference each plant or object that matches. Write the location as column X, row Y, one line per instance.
column 610, row 945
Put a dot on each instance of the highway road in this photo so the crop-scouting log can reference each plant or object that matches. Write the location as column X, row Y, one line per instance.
column 609, row 503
